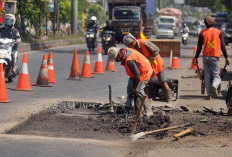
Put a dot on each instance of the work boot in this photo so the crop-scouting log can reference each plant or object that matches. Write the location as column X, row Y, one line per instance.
column 214, row 91
column 168, row 95
column 209, row 97
column 147, row 108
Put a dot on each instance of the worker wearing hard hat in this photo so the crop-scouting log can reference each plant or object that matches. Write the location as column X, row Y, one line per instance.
column 139, row 70
column 151, row 52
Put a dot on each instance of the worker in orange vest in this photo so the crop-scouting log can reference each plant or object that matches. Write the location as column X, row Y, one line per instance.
column 151, row 52
column 212, row 41
column 139, row 70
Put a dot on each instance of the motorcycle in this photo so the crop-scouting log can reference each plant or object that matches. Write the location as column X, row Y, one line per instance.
column 6, row 58
column 91, row 39
column 184, row 37
column 154, row 90
column 107, row 40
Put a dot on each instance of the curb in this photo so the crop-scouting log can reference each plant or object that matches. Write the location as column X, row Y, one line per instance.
column 25, row 47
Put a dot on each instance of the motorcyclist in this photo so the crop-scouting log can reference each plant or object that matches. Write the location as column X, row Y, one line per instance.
column 109, row 27
column 185, row 28
column 9, row 31
column 93, row 24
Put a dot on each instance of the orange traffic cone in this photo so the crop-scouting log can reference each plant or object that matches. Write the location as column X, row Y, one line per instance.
column 75, row 72
column 86, row 68
column 194, row 52
column 175, row 63
column 110, row 66
column 23, row 81
column 99, row 64
column 42, row 80
column 51, row 72
column 3, row 94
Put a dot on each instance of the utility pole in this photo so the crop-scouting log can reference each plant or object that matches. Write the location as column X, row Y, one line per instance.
column 74, row 17
column 160, row 4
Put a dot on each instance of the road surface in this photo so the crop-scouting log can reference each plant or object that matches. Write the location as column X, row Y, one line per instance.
column 23, row 104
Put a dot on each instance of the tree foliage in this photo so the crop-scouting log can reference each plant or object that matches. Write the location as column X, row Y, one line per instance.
column 214, row 5
column 33, row 13
column 98, row 11
column 65, row 11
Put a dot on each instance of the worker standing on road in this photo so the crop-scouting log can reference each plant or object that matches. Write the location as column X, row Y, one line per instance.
column 139, row 70
column 213, row 44
column 151, row 52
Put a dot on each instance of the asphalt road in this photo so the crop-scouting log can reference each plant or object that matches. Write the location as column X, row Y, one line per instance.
column 23, row 104
column 89, row 89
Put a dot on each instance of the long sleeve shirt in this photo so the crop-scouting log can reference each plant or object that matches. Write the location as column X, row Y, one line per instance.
column 200, row 43
column 151, row 48
column 11, row 34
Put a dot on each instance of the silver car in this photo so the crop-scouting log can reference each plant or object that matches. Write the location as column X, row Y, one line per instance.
column 165, row 32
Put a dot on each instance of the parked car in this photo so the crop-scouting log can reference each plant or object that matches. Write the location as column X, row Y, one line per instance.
column 226, row 29
column 165, row 32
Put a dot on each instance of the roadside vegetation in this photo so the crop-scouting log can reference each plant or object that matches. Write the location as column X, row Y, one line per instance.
column 35, row 19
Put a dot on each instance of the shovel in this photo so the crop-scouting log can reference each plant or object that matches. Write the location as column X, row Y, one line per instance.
column 139, row 135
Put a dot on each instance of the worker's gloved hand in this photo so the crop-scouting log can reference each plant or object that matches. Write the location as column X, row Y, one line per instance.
column 139, row 88
column 227, row 61
column 195, row 61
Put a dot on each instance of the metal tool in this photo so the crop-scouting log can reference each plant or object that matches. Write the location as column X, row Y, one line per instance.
column 138, row 114
column 110, row 99
column 139, row 135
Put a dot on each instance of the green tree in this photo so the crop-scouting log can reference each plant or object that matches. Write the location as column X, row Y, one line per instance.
column 215, row 5
column 98, row 11
column 34, row 12
column 65, row 11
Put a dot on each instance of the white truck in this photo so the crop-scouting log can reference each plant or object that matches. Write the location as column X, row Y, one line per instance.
column 168, row 20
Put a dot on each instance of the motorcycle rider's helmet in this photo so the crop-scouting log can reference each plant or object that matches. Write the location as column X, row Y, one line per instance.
column 9, row 20
column 94, row 19
column 109, row 23
column 184, row 24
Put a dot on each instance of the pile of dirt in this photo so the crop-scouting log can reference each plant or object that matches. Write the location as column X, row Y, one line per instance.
column 87, row 120
column 93, row 120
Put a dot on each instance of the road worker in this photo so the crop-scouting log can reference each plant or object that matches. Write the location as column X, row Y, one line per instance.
column 139, row 70
column 151, row 52
column 212, row 42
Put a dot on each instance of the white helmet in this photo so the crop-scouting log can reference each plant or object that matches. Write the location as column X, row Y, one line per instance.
column 93, row 18
column 9, row 20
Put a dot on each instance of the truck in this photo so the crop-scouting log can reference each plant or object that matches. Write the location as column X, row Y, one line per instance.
column 131, row 16
column 220, row 18
column 168, row 21
column 170, row 15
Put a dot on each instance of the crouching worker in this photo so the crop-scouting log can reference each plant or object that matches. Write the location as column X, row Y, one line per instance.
column 140, row 72
column 151, row 52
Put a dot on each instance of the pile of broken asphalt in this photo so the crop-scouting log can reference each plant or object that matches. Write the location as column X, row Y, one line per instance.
column 93, row 120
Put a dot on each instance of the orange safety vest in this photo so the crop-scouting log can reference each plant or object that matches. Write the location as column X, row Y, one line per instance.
column 144, row 65
column 212, row 43
column 158, row 62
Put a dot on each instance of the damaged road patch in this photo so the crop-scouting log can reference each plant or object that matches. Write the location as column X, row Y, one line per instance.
column 94, row 121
